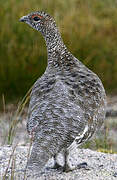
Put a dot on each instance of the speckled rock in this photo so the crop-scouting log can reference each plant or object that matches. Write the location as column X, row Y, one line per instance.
column 101, row 166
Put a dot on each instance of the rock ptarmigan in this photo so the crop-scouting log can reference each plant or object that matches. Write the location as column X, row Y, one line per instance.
column 67, row 102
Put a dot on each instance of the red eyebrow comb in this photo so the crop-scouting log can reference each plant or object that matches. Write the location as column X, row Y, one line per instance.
column 36, row 15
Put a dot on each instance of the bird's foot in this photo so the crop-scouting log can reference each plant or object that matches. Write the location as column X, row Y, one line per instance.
column 60, row 168
column 83, row 165
column 57, row 166
column 66, row 168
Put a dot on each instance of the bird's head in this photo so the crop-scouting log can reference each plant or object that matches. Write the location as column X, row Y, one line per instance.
column 40, row 21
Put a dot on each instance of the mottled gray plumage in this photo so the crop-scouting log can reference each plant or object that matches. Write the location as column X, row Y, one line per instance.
column 67, row 103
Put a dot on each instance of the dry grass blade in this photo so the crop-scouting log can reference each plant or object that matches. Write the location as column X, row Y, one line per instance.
column 12, row 168
column 16, row 116
column 31, row 141
column 11, row 156
column 3, row 102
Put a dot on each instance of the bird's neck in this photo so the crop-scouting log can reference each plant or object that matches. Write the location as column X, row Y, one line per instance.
column 55, row 47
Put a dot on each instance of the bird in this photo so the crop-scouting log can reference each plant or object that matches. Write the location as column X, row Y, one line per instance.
column 67, row 103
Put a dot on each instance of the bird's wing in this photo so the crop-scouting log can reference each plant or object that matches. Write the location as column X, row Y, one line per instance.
column 55, row 106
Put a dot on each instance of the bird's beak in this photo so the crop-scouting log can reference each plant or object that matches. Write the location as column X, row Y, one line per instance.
column 23, row 19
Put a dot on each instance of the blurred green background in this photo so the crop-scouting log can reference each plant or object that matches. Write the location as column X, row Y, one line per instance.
column 88, row 28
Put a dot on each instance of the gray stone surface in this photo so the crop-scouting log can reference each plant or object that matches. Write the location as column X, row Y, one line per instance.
column 101, row 166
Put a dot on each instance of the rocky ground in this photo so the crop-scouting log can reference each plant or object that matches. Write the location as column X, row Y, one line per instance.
column 100, row 166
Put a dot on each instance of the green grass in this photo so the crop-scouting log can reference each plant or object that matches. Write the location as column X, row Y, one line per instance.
column 89, row 29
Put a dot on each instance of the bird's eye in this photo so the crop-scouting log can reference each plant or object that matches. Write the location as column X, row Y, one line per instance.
column 36, row 18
